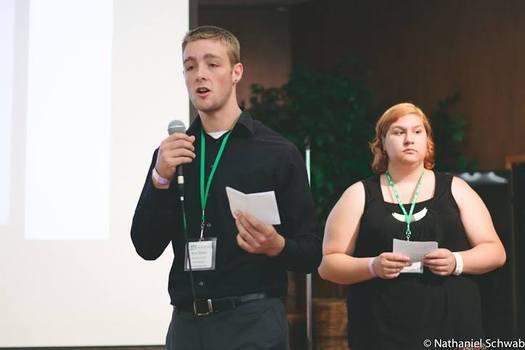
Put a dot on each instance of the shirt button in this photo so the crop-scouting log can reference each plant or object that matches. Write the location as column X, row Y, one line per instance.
column 208, row 224
column 201, row 283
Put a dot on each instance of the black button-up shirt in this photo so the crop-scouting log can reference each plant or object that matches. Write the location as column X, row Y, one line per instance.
column 256, row 159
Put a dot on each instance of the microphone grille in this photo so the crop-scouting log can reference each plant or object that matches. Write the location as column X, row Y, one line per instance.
column 176, row 126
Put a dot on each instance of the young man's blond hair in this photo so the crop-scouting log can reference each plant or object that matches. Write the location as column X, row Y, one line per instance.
column 219, row 34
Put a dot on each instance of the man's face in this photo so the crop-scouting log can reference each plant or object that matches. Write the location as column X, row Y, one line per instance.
column 209, row 75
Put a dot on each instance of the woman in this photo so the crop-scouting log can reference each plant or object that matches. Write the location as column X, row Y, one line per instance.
column 387, row 308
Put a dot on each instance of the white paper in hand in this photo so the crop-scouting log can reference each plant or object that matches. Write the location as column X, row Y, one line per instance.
column 415, row 251
column 261, row 205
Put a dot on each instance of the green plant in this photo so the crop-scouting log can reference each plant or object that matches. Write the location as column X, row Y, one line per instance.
column 331, row 111
column 449, row 135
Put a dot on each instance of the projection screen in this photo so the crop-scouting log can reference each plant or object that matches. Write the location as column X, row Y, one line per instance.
column 87, row 90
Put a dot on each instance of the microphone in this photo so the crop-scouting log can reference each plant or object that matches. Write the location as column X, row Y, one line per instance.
column 173, row 127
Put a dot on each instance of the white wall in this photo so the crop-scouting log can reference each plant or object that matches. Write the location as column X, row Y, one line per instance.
column 7, row 28
column 81, row 137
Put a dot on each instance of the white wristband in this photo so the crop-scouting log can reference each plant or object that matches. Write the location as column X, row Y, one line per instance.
column 371, row 267
column 160, row 180
column 459, row 264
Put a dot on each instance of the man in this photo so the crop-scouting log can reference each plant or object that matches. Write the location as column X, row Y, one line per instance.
column 228, row 276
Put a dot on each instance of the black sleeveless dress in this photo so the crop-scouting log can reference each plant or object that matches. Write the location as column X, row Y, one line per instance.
column 401, row 313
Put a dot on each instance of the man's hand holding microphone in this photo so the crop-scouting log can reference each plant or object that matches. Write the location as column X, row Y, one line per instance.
column 174, row 150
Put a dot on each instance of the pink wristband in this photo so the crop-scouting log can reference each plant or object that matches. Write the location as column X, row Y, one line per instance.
column 162, row 181
column 371, row 267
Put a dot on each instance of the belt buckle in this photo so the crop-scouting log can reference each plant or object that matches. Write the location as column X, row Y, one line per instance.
column 208, row 306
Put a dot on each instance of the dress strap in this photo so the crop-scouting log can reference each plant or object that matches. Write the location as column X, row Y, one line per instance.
column 443, row 185
column 372, row 190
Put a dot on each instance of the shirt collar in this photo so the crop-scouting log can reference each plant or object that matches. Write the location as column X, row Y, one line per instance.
column 245, row 122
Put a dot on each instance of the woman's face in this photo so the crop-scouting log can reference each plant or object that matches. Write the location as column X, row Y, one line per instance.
column 405, row 141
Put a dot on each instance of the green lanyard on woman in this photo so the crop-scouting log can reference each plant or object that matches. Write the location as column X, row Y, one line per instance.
column 408, row 216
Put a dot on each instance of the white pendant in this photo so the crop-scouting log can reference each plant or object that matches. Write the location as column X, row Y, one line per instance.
column 416, row 217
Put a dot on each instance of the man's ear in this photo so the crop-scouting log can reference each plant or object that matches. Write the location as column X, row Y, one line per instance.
column 237, row 71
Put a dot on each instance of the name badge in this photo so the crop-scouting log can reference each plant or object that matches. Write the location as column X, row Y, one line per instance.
column 201, row 254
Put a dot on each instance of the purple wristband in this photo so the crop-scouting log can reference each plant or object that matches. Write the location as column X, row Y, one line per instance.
column 162, row 181
column 371, row 267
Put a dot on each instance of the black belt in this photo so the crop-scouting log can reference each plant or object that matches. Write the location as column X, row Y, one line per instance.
column 203, row 307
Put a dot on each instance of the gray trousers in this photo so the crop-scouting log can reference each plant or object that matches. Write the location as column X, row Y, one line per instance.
column 257, row 325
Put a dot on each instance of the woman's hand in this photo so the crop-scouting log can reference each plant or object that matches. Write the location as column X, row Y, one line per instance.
column 389, row 265
column 440, row 261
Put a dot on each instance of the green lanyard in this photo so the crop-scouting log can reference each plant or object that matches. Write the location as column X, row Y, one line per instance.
column 204, row 193
column 408, row 216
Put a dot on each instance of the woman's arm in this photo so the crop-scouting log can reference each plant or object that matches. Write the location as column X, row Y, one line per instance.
column 487, row 252
column 341, row 231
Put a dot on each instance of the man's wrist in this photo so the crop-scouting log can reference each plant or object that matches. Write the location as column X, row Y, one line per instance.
column 278, row 247
column 159, row 181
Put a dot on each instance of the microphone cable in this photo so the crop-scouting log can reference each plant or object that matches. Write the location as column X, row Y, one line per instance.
column 186, row 245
